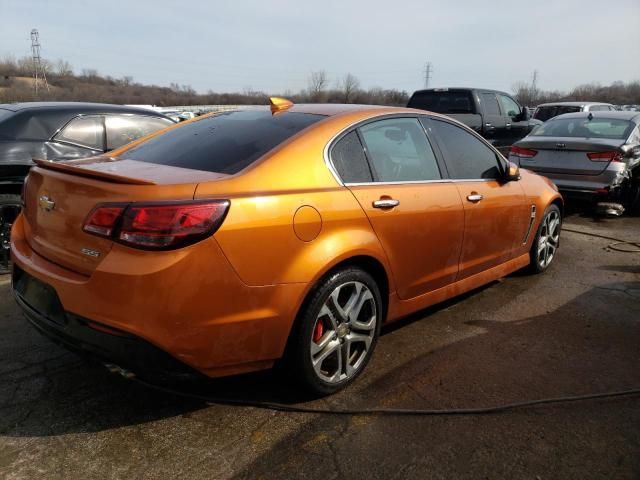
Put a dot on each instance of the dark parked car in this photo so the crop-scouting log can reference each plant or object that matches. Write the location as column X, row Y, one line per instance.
column 547, row 111
column 59, row 131
column 588, row 154
column 494, row 115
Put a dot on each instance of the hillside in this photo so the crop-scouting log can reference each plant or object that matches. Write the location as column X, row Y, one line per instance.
column 16, row 85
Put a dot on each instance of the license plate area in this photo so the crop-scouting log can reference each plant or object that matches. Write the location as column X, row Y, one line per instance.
column 42, row 298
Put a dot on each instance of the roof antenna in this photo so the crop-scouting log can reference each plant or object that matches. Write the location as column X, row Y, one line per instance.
column 278, row 104
column 590, row 116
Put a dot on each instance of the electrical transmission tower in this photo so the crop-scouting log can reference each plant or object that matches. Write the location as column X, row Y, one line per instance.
column 428, row 70
column 38, row 69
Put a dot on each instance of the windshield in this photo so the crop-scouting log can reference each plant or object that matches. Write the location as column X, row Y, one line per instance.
column 222, row 143
column 584, row 128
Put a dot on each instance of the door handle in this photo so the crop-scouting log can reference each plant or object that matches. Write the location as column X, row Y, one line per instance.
column 386, row 203
column 474, row 197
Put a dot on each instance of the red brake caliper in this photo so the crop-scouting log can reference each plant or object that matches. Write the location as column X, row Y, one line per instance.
column 318, row 331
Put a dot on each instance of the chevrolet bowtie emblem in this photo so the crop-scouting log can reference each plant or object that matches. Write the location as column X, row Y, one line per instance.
column 46, row 203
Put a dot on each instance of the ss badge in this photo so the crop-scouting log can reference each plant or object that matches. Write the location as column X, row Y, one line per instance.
column 89, row 252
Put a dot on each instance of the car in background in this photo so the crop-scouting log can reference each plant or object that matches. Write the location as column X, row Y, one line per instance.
column 59, row 131
column 178, row 115
column 547, row 111
column 631, row 108
column 295, row 234
column 186, row 116
column 588, row 154
column 495, row 115
column 172, row 114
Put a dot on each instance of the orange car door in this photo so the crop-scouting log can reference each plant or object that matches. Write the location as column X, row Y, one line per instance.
column 417, row 215
column 496, row 216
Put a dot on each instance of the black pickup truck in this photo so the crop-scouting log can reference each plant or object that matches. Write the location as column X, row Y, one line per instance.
column 493, row 114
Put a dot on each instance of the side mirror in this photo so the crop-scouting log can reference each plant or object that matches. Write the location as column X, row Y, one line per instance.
column 513, row 172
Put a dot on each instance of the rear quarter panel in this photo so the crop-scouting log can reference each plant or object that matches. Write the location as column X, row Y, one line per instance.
column 259, row 239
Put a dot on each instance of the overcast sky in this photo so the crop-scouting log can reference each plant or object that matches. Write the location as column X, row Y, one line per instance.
column 273, row 45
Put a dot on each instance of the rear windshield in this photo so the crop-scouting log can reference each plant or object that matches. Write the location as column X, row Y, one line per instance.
column 585, row 128
column 545, row 113
column 223, row 143
column 443, row 102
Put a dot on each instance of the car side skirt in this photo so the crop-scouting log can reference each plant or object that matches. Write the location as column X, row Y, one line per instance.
column 401, row 308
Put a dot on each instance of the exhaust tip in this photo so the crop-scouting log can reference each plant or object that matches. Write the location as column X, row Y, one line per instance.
column 610, row 209
column 123, row 372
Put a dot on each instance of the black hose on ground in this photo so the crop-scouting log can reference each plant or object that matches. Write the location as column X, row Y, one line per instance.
column 613, row 246
column 281, row 407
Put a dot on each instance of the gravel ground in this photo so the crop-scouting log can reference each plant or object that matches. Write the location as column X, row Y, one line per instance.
column 573, row 330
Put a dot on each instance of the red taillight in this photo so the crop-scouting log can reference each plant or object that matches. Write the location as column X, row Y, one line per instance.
column 612, row 156
column 103, row 219
column 160, row 226
column 523, row 152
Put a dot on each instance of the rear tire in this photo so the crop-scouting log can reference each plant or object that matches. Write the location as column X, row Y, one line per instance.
column 336, row 331
column 10, row 207
column 547, row 240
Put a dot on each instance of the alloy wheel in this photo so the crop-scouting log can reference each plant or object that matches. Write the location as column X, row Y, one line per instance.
column 343, row 332
column 549, row 239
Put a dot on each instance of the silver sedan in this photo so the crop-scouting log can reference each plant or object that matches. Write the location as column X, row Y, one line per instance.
column 594, row 155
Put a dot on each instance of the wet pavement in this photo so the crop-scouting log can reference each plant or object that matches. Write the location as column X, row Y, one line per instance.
column 573, row 330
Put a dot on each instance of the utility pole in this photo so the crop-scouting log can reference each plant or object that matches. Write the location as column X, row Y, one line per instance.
column 534, row 86
column 38, row 69
column 428, row 70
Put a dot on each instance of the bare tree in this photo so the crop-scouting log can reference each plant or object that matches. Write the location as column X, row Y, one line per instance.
column 64, row 68
column 350, row 85
column 318, row 82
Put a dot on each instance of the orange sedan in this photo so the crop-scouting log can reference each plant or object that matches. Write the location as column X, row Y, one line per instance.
column 224, row 244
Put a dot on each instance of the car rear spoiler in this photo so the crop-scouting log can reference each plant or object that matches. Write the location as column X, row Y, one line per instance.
column 84, row 171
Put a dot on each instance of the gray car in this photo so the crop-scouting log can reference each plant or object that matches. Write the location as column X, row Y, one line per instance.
column 594, row 155
column 59, row 131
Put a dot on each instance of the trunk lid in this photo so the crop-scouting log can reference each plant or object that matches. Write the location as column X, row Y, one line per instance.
column 566, row 155
column 60, row 195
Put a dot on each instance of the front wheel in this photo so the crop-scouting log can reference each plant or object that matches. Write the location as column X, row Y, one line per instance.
column 547, row 240
column 336, row 331
column 9, row 210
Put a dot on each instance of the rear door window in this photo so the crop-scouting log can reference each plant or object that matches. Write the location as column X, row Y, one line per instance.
column 490, row 104
column 467, row 157
column 123, row 129
column 86, row 131
column 350, row 161
column 399, row 151
column 225, row 143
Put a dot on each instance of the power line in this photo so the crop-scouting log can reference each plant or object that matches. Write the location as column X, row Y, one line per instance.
column 38, row 69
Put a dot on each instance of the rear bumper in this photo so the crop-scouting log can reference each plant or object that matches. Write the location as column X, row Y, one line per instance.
column 605, row 186
column 99, row 342
column 188, row 303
